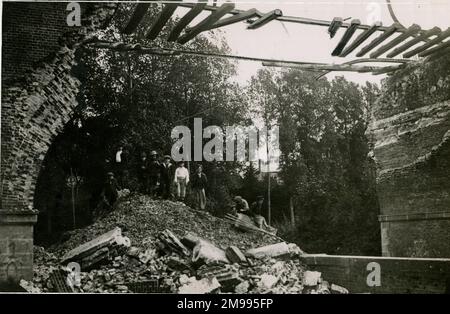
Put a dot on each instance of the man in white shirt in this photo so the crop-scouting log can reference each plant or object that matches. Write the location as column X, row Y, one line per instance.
column 181, row 180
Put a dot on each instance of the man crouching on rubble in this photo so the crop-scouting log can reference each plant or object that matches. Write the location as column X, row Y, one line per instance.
column 254, row 212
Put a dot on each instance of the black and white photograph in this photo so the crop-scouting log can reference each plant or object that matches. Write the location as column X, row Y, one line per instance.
column 244, row 148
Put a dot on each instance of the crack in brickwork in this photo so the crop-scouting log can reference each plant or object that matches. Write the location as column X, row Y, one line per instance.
column 410, row 134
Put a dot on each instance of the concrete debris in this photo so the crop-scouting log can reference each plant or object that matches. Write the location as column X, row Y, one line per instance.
column 278, row 250
column 170, row 243
column 335, row 289
column 235, row 255
column 202, row 286
column 159, row 262
column 207, row 253
column 146, row 256
column 29, row 287
column 311, row 278
column 190, row 240
column 242, row 287
column 107, row 246
column 226, row 275
column 268, row 281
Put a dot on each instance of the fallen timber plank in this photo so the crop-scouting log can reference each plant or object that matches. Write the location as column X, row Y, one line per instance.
column 161, row 20
column 386, row 34
column 439, row 38
column 346, row 37
column 206, row 23
column 413, row 29
column 186, row 19
column 360, row 39
column 138, row 14
column 415, row 40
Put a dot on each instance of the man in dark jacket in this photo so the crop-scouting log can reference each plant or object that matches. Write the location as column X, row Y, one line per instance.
column 256, row 210
column 142, row 173
column 166, row 174
column 154, row 173
column 199, row 182
column 110, row 191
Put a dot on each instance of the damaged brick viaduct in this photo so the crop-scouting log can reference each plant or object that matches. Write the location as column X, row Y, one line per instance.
column 410, row 133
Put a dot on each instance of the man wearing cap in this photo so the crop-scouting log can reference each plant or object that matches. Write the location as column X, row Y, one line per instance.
column 110, row 190
column 240, row 205
column 166, row 170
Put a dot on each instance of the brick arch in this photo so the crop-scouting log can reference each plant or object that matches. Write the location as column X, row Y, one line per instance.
column 34, row 110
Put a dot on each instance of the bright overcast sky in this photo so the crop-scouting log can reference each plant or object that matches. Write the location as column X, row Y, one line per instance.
column 299, row 42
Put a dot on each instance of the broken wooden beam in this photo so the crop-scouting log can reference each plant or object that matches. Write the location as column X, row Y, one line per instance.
column 415, row 40
column 322, row 67
column 436, row 49
column 386, row 34
column 412, row 30
column 360, row 39
column 138, row 14
column 186, row 19
column 346, row 37
column 161, row 20
column 438, row 39
column 206, row 23
column 336, row 23
column 266, row 18
column 235, row 18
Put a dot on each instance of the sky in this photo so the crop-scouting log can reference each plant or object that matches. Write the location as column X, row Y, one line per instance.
column 299, row 42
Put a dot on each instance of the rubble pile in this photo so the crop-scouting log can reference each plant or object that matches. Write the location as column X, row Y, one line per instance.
column 142, row 218
column 162, row 246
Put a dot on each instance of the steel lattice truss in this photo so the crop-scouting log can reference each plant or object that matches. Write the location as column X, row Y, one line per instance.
column 426, row 44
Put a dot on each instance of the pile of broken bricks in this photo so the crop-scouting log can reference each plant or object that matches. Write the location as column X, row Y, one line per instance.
column 190, row 264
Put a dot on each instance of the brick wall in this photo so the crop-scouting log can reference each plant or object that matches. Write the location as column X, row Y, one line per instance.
column 397, row 275
column 38, row 97
column 31, row 32
column 410, row 132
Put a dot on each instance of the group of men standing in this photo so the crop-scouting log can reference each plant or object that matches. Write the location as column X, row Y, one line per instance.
column 156, row 177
